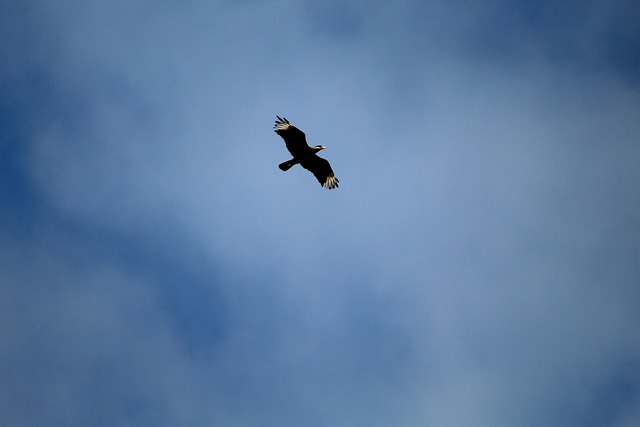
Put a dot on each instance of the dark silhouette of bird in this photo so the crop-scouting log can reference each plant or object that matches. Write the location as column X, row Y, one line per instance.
column 296, row 143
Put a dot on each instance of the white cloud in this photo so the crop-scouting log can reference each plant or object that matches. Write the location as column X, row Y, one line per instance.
column 475, row 266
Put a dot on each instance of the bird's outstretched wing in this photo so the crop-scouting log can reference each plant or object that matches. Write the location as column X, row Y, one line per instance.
column 321, row 169
column 293, row 137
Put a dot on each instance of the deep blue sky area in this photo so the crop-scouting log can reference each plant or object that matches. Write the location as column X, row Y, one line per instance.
column 478, row 266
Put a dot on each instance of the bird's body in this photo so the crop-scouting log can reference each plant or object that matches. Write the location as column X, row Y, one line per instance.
column 296, row 143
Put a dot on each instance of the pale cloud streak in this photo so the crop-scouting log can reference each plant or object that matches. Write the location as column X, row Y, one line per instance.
column 477, row 267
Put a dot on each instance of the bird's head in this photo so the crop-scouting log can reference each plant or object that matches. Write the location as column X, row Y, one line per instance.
column 318, row 148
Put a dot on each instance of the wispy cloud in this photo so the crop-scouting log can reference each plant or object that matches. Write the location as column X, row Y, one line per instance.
column 477, row 266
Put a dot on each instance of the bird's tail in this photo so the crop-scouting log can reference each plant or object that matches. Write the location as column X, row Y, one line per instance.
column 285, row 166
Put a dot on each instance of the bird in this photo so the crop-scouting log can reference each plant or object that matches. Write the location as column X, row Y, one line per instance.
column 303, row 154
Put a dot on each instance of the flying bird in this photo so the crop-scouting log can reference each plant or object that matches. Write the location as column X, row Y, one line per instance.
column 296, row 143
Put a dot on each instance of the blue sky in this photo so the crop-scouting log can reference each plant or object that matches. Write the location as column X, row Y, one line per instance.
column 478, row 266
